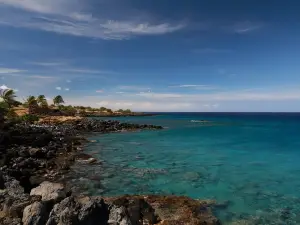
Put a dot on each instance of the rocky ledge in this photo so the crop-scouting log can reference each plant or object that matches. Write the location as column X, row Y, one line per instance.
column 52, row 204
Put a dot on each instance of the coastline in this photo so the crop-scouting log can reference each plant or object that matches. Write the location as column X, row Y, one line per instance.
column 119, row 115
column 45, row 154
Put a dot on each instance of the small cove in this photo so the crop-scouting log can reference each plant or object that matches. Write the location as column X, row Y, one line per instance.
column 249, row 165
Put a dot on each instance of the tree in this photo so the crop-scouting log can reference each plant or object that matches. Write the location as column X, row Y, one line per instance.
column 8, row 96
column 120, row 110
column 32, row 104
column 109, row 110
column 127, row 111
column 102, row 109
column 41, row 100
column 57, row 100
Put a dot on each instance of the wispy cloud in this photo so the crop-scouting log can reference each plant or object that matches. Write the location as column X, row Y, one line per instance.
column 99, row 91
column 58, row 88
column 194, row 86
column 47, row 64
column 133, row 88
column 246, row 27
column 211, row 50
column 65, row 17
column 89, row 71
column 67, row 89
column 10, row 70
column 41, row 77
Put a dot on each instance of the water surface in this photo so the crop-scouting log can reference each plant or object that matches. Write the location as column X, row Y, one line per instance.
column 249, row 162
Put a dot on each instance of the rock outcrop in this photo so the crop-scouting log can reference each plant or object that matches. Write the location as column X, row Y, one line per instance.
column 20, row 208
column 50, row 191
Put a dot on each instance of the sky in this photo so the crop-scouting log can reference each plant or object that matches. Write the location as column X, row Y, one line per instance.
column 154, row 55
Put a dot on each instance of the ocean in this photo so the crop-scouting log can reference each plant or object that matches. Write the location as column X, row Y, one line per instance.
column 248, row 162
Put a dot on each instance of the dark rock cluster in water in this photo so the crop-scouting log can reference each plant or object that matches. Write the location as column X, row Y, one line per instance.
column 110, row 126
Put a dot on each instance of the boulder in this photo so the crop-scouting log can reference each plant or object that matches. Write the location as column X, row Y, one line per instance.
column 118, row 216
column 35, row 214
column 13, row 200
column 131, row 211
column 50, row 191
column 81, row 211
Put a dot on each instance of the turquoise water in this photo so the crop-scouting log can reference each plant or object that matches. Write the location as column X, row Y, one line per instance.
column 247, row 162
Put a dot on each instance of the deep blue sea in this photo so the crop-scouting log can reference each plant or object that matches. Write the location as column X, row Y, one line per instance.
column 248, row 162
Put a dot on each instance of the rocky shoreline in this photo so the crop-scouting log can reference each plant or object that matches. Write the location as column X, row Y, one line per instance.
column 34, row 157
column 119, row 115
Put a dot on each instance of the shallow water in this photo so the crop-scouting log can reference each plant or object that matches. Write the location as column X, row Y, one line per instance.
column 249, row 162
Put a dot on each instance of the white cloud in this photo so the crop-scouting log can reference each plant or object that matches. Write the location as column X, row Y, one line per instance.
column 9, row 70
column 217, row 101
column 67, row 89
column 41, row 77
column 211, row 50
column 246, row 27
column 3, row 87
column 103, row 103
column 68, row 81
column 159, row 95
column 64, row 17
column 120, row 92
column 133, row 88
column 41, row 6
column 89, row 71
column 47, row 64
column 58, row 88
column 194, row 86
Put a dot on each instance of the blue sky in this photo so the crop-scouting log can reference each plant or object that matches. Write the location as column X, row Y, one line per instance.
column 154, row 55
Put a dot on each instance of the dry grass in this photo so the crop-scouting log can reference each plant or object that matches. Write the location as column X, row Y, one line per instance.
column 21, row 110
column 59, row 119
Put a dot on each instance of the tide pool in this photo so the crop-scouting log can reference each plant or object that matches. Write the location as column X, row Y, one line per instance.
column 249, row 163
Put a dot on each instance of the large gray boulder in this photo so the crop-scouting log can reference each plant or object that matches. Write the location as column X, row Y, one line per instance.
column 13, row 200
column 79, row 211
column 35, row 214
column 50, row 191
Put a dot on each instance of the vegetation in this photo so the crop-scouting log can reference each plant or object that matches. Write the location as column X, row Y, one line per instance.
column 29, row 118
column 58, row 100
column 8, row 96
column 39, row 106
column 69, row 110
column 32, row 104
column 102, row 109
column 42, row 101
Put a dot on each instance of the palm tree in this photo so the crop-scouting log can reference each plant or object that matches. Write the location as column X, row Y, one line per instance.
column 8, row 96
column 58, row 100
column 32, row 103
column 41, row 100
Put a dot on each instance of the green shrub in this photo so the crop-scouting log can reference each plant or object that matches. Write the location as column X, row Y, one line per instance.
column 29, row 118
